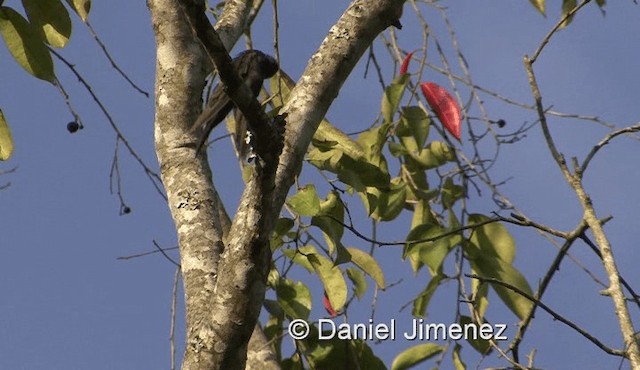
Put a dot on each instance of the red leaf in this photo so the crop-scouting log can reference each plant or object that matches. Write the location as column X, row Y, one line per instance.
column 327, row 306
column 405, row 63
column 444, row 105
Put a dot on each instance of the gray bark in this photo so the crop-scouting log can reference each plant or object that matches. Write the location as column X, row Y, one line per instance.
column 224, row 277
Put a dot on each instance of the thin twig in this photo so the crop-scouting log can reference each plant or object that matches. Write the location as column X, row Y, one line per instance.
column 555, row 28
column 124, row 258
column 153, row 177
column 634, row 296
column 113, row 63
column 162, row 250
column 591, row 338
column 546, row 280
column 632, row 348
column 605, row 141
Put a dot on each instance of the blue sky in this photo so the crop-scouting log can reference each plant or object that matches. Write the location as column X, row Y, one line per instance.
column 68, row 303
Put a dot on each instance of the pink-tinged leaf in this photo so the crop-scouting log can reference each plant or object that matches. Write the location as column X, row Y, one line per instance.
column 405, row 63
column 327, row 305
column 444, row 106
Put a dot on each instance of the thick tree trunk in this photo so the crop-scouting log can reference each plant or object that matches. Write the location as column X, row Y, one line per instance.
column 225, row 275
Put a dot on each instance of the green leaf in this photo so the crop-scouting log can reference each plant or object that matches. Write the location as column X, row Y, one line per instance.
column 51, row 20
column 282, row 226
column 451, row 192
column 273, row 278
column 431, row 253
column 348, row 354
column 25, row 45
column 294, row 362
column 368, row 264
column 294, row 298
column 386, row 204
column 365, row 173
column 332, row 279
column 280, row 229
column 372, row 142
column 421, row 302
column 82, row 7
column 492, row 238
column 479, row 296
column 417, row 120
column 539, row 4
column 418, row 191
column 329, row 219
column 488, row 266
column 397, row 149
column 422, row 214
column 6, row 142
column 305, row 202
column 273, row 326
column 567, row 6
column 273, row 308
column 355, row 173
column 457, row 360
column 392, row 96
column 479, row 344
column 298, row 256
column 395, row 199
column 404, row 133
column 358, row 280
column 324, row 159
column 342, row 255
column 415, row 355
column 326, row 132
column 273, row 330
column 435, row 155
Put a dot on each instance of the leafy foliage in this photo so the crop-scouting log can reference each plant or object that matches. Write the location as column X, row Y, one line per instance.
column 415, row 355
column 6, row 142
column 567, row 6
column 362, row 167
column 47, row 23
column 25, row 44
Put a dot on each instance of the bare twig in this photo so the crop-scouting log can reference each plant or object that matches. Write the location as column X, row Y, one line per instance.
column 546, row 280
column 575, row 181
column 162, row 250
column 555, row 28
column 113, row 63
column 605, row 141
column 124, row 258
column 634, row 296
column 4, row 172
column 115, row 177
column 153, row 177
column 591, row 338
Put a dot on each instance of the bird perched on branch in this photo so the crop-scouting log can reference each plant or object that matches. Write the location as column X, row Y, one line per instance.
column 253, row 66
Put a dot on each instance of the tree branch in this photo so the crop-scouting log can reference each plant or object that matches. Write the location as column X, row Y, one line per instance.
column 235, row 87
column 591, row 338
column 325, row 73
column 221, row 312
column 575, row 181
column 200, row 218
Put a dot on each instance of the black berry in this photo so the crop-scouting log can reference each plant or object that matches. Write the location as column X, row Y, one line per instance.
column 73, row 126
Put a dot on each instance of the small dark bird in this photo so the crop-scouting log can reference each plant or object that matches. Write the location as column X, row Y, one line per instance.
column 396, row 17
column 253, row 66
